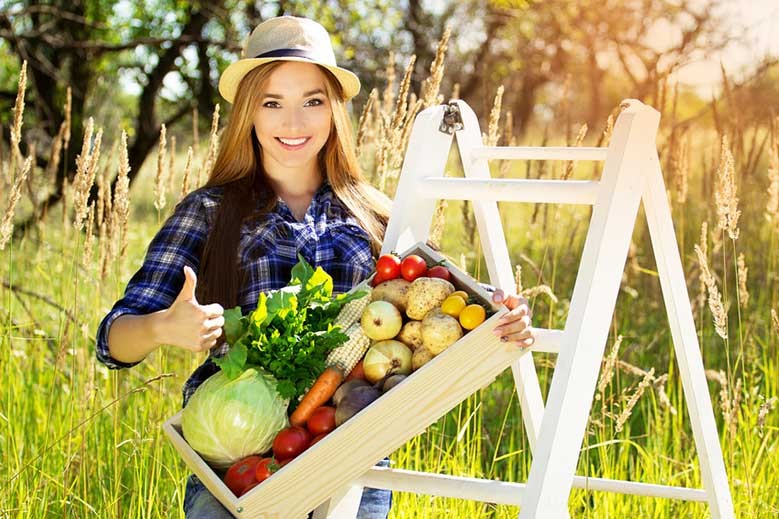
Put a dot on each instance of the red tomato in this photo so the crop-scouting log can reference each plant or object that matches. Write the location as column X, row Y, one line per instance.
column 412, row 267
column 245, row 490
column 290, row 442
column 377, row 279
column 357, row 372
column 439, row 271
column 265, row 469
column 388, row 267
column 317, row 438
column 322, row 420
column 241, row 474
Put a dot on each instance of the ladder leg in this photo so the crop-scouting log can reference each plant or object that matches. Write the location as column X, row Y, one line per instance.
column 500, row 269
column 685, row 339
column 592, row 306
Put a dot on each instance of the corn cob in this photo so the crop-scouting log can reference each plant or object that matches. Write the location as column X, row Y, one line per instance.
column 346, row 356
column 352, row 311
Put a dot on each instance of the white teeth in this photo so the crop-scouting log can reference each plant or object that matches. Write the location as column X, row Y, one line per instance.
column 293, row 142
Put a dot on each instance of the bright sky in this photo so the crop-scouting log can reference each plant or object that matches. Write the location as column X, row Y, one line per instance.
column 761, row 17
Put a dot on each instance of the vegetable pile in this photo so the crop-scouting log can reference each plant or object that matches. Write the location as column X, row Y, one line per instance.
column 329, row 356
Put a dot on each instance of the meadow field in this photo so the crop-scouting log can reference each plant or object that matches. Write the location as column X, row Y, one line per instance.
column 81, row 441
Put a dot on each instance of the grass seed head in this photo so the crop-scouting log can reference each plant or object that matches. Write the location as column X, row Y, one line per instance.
column 120, row 217
column 7, row 223
column 439, row 223
column 89, row 242
column 16, row 127
column 715, row 300
column 365, row 116
column 493, row 129
column 187, row 172
column 86, row 169
column 159, row 179
column 680, row 164
column 725, row 195
column 213, row 147
column 579, row 140
column 432, row 84
column 537, row 290
column 518, row 278
column 608, row 366
column 633, row 400
column 765, row 408
column 743, row 293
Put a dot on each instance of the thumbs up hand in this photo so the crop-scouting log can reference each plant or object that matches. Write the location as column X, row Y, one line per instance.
column 187, row 323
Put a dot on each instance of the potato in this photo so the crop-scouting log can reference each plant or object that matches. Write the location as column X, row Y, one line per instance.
column 420, row 357
column 439, row 331
column 394, row 291
column 411, row 335
column 424, row 294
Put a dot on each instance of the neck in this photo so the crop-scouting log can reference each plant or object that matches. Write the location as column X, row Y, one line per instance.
column 296, row 187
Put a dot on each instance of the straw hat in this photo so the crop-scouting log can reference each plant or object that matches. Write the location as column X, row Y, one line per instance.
column 286, row 38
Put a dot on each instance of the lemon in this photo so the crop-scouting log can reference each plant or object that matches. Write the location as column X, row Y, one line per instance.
column 453, row 305
column 461, row 293
column 472, row 316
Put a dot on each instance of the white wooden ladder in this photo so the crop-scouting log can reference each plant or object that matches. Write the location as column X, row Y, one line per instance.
column 631, row 174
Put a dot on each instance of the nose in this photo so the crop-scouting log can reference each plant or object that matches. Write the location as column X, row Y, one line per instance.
column 293, row 119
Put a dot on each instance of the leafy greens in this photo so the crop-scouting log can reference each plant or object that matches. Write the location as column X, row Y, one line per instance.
column 290, row 332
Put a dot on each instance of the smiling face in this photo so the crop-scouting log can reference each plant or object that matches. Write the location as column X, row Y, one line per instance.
column 292, row 122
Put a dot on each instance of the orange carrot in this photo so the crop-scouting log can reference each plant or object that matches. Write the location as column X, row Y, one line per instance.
column 318, row 395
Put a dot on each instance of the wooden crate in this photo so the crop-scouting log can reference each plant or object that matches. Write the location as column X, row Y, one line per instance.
column 397, row 416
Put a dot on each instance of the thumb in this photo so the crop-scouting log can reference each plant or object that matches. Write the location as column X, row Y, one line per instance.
column 190, row 283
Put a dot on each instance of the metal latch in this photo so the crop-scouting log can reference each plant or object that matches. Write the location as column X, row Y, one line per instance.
column 452, row 120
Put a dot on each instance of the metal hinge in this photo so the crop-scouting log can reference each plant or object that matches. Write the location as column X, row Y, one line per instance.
column 452, row 120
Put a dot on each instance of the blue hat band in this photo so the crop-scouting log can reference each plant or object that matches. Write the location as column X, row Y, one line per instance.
column 287, row 53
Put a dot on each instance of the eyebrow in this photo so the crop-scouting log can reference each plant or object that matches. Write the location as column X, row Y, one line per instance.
column 306, row 94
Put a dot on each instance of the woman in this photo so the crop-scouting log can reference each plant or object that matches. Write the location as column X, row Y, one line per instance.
column 285, row 182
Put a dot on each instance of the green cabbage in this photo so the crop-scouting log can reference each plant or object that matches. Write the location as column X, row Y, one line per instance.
column 226, row 420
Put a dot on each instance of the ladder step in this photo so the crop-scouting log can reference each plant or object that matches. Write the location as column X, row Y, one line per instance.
column 511, row 190
column 538, row 153
column 503, row 492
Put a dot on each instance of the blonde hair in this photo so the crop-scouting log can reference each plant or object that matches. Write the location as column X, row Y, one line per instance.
column 240, row 156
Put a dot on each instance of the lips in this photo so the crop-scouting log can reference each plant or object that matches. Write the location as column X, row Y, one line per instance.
column 293, row 143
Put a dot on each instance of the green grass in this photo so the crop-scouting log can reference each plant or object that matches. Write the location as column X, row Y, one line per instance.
column 81, row 441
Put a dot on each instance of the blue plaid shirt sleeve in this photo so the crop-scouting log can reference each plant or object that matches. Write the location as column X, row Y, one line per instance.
column 159, row 280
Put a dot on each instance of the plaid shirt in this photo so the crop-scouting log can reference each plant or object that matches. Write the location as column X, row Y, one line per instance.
column 328, row 237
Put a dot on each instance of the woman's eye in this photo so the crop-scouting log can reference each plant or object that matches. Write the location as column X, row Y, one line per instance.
column 314, row 102
column 270, row 104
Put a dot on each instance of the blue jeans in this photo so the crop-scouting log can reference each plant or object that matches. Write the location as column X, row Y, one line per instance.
column 199, row 503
